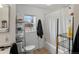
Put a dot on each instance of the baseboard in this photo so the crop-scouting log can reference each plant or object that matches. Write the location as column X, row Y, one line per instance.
column 52, row 49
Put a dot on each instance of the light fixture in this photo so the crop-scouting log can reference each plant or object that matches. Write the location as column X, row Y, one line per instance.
column 1, row 6
column 48, row 4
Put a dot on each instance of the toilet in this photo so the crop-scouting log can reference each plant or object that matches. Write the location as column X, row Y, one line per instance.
column 29, row 49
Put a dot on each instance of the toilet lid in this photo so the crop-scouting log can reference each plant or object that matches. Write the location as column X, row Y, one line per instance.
column 29, row 47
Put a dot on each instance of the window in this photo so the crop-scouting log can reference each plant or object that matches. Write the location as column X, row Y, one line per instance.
column 30, row 23
column 28, row 19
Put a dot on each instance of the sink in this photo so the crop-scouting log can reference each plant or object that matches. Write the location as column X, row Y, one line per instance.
column 5, row 51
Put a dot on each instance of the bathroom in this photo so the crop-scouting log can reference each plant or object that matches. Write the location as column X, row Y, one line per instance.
column 31, row 43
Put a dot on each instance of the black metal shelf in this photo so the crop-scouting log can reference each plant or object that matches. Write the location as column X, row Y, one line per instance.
column 65, row 39
column 65, row 45
column 64, row 35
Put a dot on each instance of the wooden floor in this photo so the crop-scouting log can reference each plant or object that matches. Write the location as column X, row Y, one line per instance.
column 40, row 51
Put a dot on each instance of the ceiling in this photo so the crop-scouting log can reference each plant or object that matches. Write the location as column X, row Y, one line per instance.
column 48, row 6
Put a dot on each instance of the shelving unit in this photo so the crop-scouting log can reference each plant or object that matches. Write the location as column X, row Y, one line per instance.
column 23, row 27
column 19, row 31
column 66, row 41
column 20, row 34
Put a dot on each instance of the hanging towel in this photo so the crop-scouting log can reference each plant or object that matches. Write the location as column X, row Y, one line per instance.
column 39, row 29
column 14, row 49
column 75, row 47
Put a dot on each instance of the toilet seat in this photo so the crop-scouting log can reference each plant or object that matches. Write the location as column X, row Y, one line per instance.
column 30, row 47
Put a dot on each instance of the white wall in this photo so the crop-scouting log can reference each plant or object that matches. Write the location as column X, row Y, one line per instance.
column 76, row 18
column 49, row 34
column 11, row 34
column 51, row 27
column 31, row 38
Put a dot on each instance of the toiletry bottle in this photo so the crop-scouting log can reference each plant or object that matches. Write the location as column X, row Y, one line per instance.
column 69, row 29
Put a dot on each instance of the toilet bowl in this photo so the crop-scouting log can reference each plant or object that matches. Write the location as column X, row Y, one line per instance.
column 29, row 49
column 25, row 49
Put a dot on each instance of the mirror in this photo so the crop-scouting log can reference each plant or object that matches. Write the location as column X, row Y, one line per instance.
column 4, row 18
